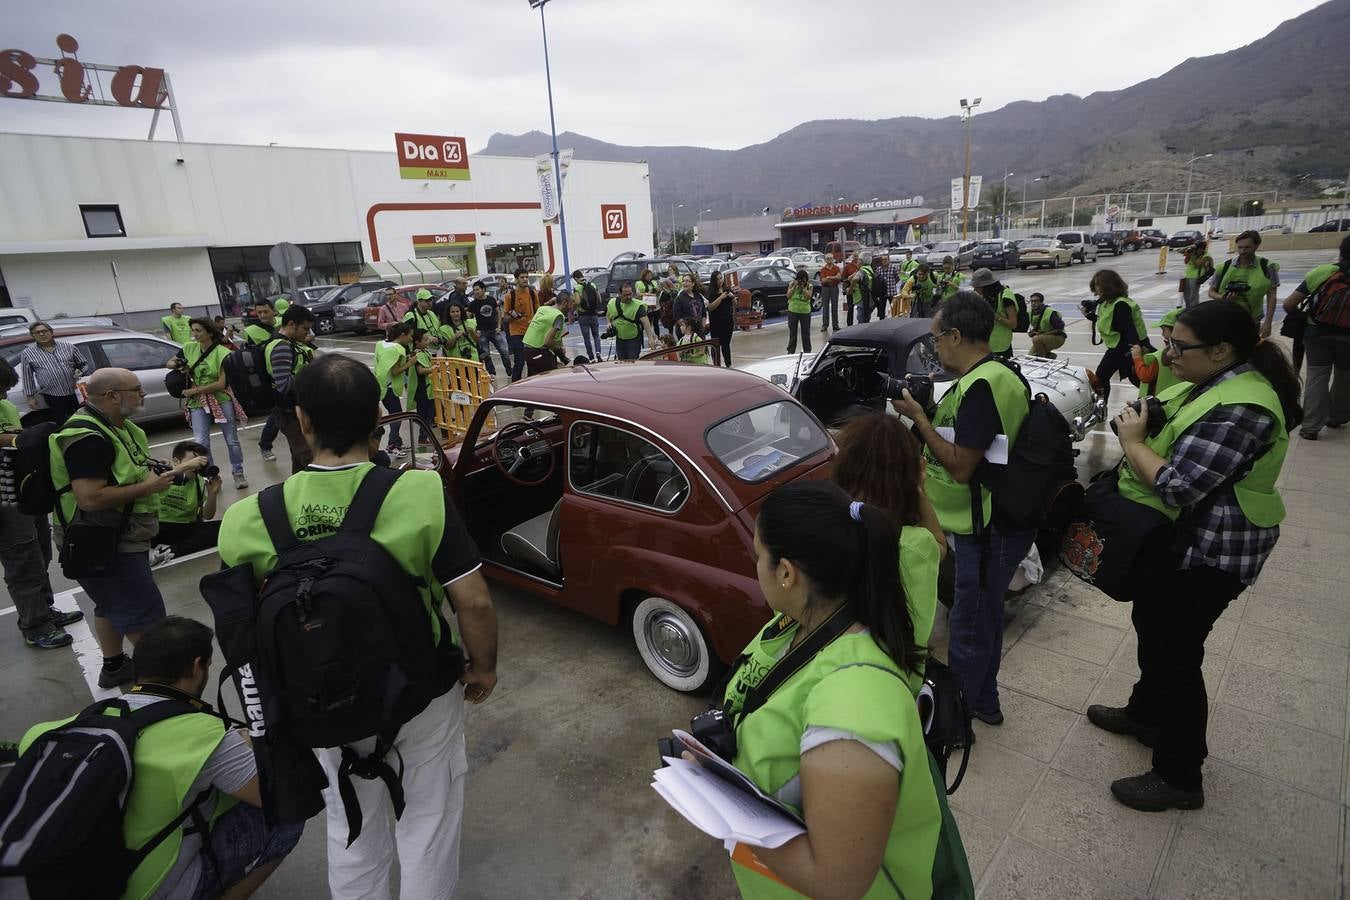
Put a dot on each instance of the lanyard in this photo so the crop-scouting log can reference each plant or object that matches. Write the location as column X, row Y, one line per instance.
column 790, row 663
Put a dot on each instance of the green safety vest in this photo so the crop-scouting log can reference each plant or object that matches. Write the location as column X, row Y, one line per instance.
column 799, row 300
column 388, row 355
column 854, row 686
column 415, row 378
column 1257, row 280
column 950, row 498
column 920, row 557
column 1106, row 314
column 863, row 286
column 908, row 266
column 1165, row 377
column 206, row 371
column 922, row 290
column 461, row 345
column 536, row 335
column 1000, row 339
column 623, row 317
column 182, row 503
column 168, row 757
column 950, row 283
column 257, row 334
column 1256, row 492
column 179, row 328
column 1041, row 323
column 131, row 458
column 303, row 355
column 694, row 356
column 425, row 321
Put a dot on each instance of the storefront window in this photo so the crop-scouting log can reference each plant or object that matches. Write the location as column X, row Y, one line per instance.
column 243, row 274
column 506, row 258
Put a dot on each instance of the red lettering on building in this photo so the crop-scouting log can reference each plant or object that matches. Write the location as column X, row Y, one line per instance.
column 151, row 93
column 132, row 85
column 16, row 74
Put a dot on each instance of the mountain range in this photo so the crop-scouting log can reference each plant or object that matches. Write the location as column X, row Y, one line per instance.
column 1269, row 112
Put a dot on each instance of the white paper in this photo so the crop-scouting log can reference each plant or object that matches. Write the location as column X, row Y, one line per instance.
column 721, row 810
column 997, row 452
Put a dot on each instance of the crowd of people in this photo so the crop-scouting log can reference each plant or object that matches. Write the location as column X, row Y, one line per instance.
column 850, row 568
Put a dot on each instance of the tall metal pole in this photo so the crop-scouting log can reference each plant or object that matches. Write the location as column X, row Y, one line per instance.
column 1003, row 220
column 557, row 168
column 965, row 192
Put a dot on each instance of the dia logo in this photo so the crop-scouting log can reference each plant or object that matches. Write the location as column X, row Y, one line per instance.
column 614, row 217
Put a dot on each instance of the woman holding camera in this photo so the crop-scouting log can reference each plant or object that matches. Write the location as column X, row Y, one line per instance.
column 880, row 463
column 1120, row 322
column 721, row 318
column 1209, row 461
column 208, row 400
column 799, row 311
column 840, row 738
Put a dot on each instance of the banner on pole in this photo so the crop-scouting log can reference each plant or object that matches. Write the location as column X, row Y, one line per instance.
column 548, row 188
column 975, row 182
column 958, row 193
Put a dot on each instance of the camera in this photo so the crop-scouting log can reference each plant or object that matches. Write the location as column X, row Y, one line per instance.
column 920, row 387
column 1151, row 410
column 607, row 333
column 158, row 468
column 713, row 729
column 1089, row 308
column 1238, row 288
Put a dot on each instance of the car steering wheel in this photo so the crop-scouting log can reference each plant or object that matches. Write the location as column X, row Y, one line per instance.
column 847, row 371
column 521, row 447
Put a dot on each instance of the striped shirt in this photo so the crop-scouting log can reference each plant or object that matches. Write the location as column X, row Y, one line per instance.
column 50, row 371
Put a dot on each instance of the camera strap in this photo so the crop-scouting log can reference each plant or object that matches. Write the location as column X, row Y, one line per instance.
column 796, row 658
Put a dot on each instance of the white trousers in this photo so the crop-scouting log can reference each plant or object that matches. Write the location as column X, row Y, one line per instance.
column 426, row 837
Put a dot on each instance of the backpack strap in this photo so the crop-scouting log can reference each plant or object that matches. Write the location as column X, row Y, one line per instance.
column 272, row 505
column 1223, row 272
column 369, row 497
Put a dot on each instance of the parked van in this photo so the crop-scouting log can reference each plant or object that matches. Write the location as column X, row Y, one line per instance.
column 1080, row 244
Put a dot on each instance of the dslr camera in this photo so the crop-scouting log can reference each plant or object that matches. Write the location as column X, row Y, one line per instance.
column 607, row 333
column 1237, row 288
column 714, row 730
column 208, row 472
column 1151, row 410
column 920, row 387
column 1089, row 308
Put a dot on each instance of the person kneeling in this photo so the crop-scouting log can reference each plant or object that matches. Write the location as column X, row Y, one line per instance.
column 187, row 507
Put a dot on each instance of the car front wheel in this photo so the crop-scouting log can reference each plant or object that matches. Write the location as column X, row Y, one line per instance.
column 1054, row 263
column 672, row 645
column 324, row 325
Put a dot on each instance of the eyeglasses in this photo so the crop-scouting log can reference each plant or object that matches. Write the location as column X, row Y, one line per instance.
column 1176, row 348
column 943, row 332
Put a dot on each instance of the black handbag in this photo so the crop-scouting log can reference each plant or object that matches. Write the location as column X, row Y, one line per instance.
column 90, row 551
column 1294, row 323
column 177, row 380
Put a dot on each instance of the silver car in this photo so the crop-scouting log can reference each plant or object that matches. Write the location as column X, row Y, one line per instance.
column 102, row 347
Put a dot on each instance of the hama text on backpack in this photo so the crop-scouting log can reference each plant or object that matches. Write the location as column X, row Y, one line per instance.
column 61, row 807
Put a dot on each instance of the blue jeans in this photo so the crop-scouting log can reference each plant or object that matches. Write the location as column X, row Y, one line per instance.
column 241, row 842
column 517, row 344
column 201, row 433
column 975, row 644
column 269, row 433
column 486, row 341
column 392, row 405
column 590, row 332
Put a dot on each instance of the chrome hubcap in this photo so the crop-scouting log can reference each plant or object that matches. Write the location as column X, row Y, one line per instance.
column 672, row 643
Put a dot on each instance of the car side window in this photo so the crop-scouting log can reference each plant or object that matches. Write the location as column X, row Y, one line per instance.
column 134, row 354
column 609, row 462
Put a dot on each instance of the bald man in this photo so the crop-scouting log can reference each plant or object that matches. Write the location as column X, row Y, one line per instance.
column 114, row 486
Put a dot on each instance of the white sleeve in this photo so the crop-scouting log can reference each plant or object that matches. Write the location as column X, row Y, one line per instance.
column 816, row 735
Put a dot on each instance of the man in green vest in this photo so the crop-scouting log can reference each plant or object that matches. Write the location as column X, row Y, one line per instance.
column 261, row 332
column 544, row 337
column 1047, row 328
column 1250, row 280
column 100, row 461
column 191, row 759
column 287, row 354
column 628, row 319
column 423, row 317
column 976, row 421
column 176, row 325
column 1004, row 303
column 949, row 279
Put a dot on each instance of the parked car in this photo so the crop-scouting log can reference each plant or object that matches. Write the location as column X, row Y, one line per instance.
column 810, row 260
column 768, row 287
column 841, row 380
column 101, row 347
column 1332, row 225
column 627, row 271
column 994, row 255
column 1112, row 242
column 400, row 299
column 1080, row 245
column 1281, row 229
column 326, row 304
column 1043, row 252
column 1152, row 238
column 963, row 254
column 632, row 506
column 789, row 251
column 1184, row 238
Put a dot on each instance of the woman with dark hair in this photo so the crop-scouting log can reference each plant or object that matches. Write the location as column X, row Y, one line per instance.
column 721, row 318
column 690, row 303
column 839, row 739
column 1120, row 322
column 880, row 463
column 1214, row 455
column 207, row 398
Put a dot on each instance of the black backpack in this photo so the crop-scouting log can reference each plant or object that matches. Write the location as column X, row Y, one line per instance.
column 26, row 471
column 61, row 808
column 1039, row 487
column 1023, row 314
column 879, row 291
column 945, row 715
column 343, row 641
column 246, row 375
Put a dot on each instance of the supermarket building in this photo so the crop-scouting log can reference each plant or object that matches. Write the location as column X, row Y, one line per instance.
column 90, row 226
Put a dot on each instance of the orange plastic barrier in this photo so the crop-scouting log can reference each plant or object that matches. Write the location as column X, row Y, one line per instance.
column 458, row 387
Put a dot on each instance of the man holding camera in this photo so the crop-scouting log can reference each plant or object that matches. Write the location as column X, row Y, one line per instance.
column 106, row 520
column 1250, row 280
column 187, row 508
column 983, row 411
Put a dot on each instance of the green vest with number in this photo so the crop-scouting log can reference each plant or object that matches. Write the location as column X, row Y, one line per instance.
column 537, row 333
column 168, row 757
column 1165, row 377
column 623, row 318
column 1106, row 316
column 1256, row 492
column 950, row 498
column 768, row 746
column 131, row 458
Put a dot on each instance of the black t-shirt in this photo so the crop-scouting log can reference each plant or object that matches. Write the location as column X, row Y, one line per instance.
column 1122, row 322
column 486, row 312
column 977, row 424
column 721, row 317
column 90, row 457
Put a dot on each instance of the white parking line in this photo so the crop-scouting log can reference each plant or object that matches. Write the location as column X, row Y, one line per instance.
column 171, row 443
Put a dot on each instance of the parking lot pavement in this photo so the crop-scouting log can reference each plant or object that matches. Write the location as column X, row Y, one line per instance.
column 558, row 802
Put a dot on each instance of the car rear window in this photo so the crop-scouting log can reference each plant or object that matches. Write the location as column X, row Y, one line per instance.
column 763, row 441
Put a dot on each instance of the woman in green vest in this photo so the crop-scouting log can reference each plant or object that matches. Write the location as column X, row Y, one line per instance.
column 1216, row 458
column 880, row 463
column 419, row 377
column 839, row 739
column 207, row 400
column 1120, row 322
column 460, row 334
column 1154, row 375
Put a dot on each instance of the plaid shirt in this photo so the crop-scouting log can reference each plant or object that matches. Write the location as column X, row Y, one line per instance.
column 1227, row 440
column 892, row 276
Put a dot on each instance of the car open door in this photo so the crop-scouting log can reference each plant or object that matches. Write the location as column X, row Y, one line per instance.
column 835, row 388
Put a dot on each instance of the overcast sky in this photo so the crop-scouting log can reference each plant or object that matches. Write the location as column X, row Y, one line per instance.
column 713, row 73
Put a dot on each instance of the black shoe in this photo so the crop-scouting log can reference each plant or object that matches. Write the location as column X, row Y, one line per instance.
column 1340, row 424
column 50, row 639
column 1149, row 793
column 1117, row 721
column 988, row 718
column 1308, row 435
column 119, row 674
column 62, row 619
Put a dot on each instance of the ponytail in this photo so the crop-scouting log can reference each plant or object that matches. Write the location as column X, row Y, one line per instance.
column 1226, row 322
column 849, row 551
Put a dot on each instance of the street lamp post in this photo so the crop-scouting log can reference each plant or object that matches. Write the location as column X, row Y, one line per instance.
column 673, row 207
column 553, row 128
column 967, row 110
column 1003, row 219
column 1026, row 179
column 1190, row 171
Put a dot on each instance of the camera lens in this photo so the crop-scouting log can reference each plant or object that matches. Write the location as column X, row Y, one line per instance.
column 211, row 471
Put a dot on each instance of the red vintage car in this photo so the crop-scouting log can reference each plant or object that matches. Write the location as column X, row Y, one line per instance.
column 628, row 492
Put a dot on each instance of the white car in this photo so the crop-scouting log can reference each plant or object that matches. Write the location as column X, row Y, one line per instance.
column 845, row 377
column 811, row 261
column 783, row 261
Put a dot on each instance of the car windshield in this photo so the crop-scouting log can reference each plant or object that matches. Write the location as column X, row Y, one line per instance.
column 1035, row 242
column 762, row 441
column 947, row 247
column 990, row 245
